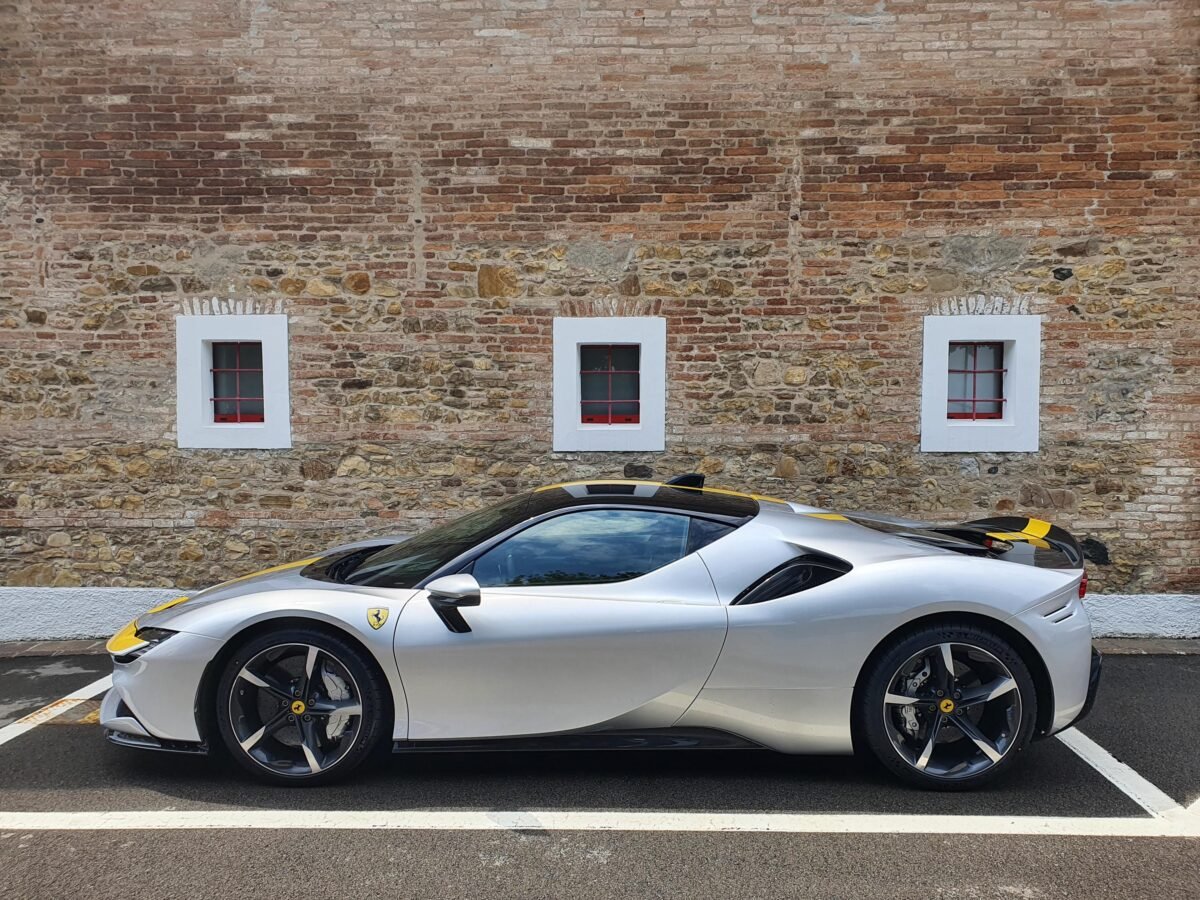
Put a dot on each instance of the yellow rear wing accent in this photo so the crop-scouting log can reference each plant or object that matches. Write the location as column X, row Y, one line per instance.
column 1033, row 533
column 1037, row 528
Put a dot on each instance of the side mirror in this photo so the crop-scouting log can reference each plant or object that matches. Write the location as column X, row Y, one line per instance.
column 454, row 590
column 447, row 594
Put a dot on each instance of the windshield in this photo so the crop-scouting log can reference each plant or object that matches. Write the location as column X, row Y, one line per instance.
column 407, row 564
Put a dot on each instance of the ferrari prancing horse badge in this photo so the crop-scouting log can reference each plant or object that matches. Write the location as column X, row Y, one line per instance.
column 377, row 615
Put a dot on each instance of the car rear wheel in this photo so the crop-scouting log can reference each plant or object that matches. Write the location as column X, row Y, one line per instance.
column 300, row 706
column 948, row 707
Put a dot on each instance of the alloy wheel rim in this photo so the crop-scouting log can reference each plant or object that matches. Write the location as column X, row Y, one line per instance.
column 295, row 709
column 952, row 710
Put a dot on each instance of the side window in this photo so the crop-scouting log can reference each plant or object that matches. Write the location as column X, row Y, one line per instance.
column 704, row 532
column 594, row 546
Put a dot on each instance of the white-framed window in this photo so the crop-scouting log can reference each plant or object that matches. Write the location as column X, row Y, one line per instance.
column 231, row 381
column 610, row 383
column 980, row 384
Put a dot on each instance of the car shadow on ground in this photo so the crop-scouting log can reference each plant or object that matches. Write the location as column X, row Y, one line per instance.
column 73, row 768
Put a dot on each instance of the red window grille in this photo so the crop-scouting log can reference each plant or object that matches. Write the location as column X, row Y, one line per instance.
column 976, row 385
column 610, row 384
column 237, row 372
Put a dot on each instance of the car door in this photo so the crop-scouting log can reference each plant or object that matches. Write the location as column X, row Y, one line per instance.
column 594, row 617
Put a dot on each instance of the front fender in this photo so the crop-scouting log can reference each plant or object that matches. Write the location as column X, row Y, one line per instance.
column 342, row 610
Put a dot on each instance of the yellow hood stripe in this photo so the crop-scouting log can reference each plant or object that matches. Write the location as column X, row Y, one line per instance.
column 126, row 639
column 167, row 605
column 291, row 565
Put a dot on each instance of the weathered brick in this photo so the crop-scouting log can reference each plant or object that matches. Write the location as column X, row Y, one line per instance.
column 792, row 186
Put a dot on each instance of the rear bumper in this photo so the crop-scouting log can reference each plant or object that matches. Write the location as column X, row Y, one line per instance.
column 1061, row 634
column 1093, row 686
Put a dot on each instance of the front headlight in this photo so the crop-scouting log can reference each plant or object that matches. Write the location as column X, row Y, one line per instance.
column 149, row 638
column 153, row 636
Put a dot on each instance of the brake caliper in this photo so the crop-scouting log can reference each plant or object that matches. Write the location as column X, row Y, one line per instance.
column 909, row 713
column 336, row 688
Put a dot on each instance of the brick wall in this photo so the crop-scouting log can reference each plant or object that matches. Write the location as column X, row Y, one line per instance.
column 423, row 186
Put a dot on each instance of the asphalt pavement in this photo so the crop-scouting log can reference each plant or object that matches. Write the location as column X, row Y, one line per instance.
column 1146, row 717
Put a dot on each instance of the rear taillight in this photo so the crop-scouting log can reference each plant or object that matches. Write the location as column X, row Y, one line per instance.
column 1083, row 585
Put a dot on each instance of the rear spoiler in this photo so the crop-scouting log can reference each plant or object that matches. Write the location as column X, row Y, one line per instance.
column 1032, row 542
column 1054, row 547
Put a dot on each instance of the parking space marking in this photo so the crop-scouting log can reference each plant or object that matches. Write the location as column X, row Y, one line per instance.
column 1146, row 795
column 1180, row 825
column 51, row 710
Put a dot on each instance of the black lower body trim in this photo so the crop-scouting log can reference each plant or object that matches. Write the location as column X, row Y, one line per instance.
column 138, row 742
column 664, row 739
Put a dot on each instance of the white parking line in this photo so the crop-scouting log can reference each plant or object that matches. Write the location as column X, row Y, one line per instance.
column 1146, row 795
column 1181, row 825
column 52, row 710
column 1167, row 817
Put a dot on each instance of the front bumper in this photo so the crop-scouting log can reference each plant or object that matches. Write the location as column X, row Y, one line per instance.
column 121, row 727
column 153, row 698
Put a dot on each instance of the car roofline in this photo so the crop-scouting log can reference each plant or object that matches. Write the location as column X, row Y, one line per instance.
column 760, row 498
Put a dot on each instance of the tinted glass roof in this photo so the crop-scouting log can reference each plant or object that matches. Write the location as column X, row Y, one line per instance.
column 703, row 501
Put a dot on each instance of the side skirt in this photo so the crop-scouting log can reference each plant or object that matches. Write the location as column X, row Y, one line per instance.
column 663, row 739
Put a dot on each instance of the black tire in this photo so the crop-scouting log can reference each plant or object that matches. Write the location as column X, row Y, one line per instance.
column 887, row 728
column 297, row 749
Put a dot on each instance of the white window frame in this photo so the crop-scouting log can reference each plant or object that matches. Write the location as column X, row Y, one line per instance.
column 650, row 334
column 1017, row 430
column 195, row 428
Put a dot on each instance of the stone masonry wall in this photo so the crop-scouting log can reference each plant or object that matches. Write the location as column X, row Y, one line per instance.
column 422, row 187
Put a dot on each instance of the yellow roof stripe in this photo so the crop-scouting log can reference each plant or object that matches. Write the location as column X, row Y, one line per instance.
column 680, row 487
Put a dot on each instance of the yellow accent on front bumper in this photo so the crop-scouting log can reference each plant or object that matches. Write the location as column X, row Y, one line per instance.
column 125, row 640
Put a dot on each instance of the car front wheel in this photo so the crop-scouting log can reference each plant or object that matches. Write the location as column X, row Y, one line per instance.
column 948, row 707
column 300, row 706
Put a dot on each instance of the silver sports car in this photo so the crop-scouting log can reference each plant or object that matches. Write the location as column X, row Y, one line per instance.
column 628, row 614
